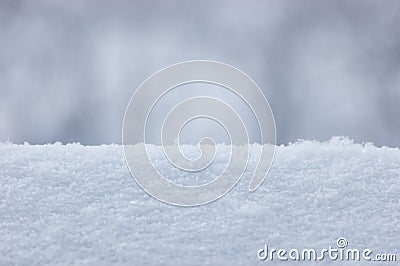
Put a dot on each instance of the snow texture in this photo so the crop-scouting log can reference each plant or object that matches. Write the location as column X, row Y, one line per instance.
column 74, row 204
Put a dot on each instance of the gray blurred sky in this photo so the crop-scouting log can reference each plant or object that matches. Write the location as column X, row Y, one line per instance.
column 68, row 68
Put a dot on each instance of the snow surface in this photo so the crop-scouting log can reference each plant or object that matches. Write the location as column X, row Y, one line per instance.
column 78, row 204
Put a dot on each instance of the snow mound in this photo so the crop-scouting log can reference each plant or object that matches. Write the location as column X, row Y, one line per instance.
column 78, row 204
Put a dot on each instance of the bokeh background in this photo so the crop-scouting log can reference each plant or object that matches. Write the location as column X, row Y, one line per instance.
column 68, row 68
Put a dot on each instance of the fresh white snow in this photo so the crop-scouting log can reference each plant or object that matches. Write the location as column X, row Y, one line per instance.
column 74, row 204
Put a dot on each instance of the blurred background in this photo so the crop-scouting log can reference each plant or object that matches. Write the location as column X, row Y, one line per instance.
column 69, row 68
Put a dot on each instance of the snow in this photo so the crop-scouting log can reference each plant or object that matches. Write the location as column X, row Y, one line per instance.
column 79, row 205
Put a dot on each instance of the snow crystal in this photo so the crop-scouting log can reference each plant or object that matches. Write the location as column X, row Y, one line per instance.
column 79, row 204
